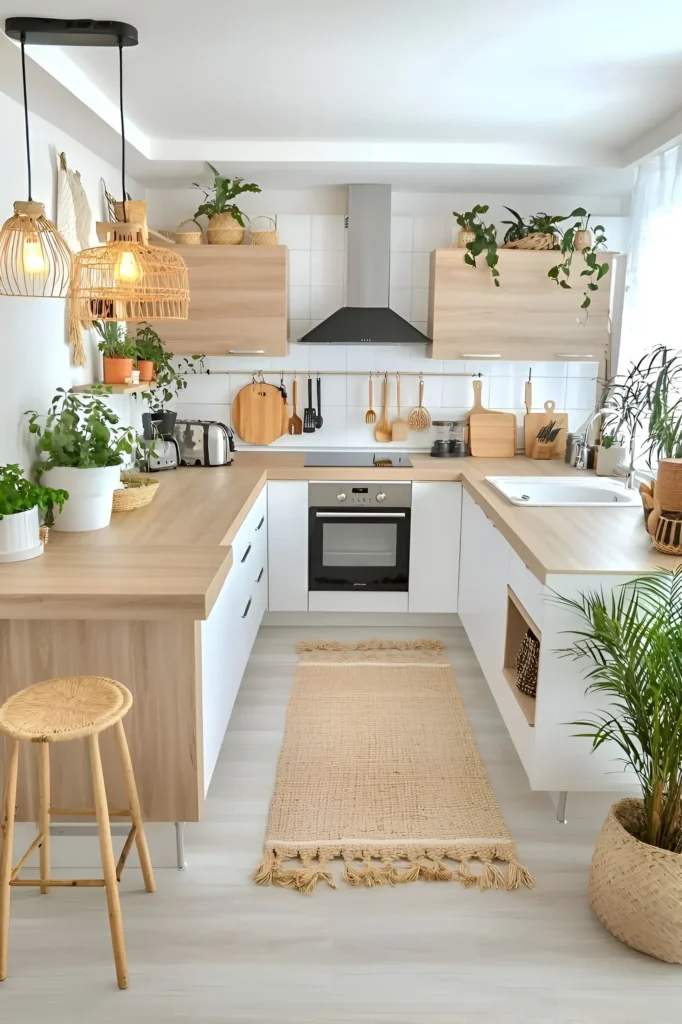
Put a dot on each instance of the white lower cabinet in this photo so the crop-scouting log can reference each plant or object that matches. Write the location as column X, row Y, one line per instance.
column 288, row 545
column 228, row 634
column 434, row 546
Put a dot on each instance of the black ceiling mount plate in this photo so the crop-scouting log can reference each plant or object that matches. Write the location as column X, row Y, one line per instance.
column 60, row 32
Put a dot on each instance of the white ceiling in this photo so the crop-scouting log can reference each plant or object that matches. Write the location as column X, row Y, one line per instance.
column 430, row 92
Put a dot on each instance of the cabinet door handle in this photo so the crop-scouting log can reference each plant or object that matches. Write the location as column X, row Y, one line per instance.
column 260, row 524
column 246, row 610
column 246, row 351
column 260, row 575
column 246, row 553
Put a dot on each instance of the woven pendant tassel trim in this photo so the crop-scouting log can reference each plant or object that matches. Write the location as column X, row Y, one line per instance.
column 372, row 873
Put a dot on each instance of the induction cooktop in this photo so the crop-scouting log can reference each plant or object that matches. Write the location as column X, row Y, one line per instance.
column 363, row 460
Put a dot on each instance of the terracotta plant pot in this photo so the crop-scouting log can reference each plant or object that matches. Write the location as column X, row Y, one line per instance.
column 117, row 371
column 146, row 368
column 636, row 889
column 582, row 240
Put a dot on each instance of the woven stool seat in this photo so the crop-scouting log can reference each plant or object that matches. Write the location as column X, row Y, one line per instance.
column 66, row 708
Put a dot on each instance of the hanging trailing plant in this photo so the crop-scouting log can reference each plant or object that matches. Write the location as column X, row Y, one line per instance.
column 572, row 241
column 484, row 240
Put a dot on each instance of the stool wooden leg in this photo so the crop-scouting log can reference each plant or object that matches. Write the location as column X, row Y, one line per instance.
column 135, row 811
column 108, row 863
column 44, row 811
column 6, row 856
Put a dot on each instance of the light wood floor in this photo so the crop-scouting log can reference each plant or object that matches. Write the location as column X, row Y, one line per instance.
column 211, row 946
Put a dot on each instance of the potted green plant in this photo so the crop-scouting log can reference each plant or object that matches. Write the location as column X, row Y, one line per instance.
column 118, row 351
column 149, row 351
column 81, row 445
column 579, row 238
column 225, row 219
column 170, row 380
column 632, row 644
column 484, row 239
column 541, row 232
column 611, row 453
column 22, row 504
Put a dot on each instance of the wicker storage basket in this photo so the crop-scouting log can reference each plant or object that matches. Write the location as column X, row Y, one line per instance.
column 188, row 237
column 636, row 889
column 536, row 240
column 669, row 484
column 527, row 664
column 223, row 229
column 268, row 237
column 667, row 535
column 139, row 491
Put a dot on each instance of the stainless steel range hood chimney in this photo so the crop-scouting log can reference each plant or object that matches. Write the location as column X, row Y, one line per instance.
column 367, row 319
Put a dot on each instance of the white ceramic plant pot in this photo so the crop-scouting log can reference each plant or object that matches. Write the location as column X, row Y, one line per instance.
column 20, row 536
column 91, row 494
column 609, row 458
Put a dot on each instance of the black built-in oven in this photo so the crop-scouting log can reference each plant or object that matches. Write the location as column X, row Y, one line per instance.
column 359, row 536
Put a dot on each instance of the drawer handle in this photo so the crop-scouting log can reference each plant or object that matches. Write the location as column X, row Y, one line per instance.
column 246, row 553
column 246, row 610
column 261, row 523
column 260, row 575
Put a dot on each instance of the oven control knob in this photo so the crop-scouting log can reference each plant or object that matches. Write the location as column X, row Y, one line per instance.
column 340, row 496
column 381, row 496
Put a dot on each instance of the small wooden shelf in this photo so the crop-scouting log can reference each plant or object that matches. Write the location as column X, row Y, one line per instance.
column 518, row 622
column 114, row 389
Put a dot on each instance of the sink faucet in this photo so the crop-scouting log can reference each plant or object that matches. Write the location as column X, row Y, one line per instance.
column 582, row 449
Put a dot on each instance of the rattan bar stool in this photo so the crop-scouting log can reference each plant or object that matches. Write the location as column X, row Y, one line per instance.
column 70, row 708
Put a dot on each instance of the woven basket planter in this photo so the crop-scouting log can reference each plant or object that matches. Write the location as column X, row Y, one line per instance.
column 139, row 491
column 270, row 236
column 536, row 240
column 223, row 229
column 636, row 889
column 188, row 237
column 667, row 532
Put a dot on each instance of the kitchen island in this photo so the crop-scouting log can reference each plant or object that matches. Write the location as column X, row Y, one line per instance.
column 168, row 600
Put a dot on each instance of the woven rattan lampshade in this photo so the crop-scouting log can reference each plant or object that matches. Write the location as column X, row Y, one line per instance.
column 124, row 279
column 34, row 258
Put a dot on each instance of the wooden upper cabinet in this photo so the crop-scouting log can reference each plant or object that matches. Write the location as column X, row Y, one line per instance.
column 238, row 301
column 527, row 317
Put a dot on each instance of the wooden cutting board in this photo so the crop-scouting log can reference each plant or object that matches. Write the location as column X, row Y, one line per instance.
column 492, row 435
column 257, row 413
column 535, row 421
column 477, row 407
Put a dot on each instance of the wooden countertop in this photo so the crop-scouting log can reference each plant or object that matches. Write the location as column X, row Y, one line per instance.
column 169, row 559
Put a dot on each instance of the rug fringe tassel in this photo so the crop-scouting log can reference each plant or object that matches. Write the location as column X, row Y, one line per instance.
column 369, row 875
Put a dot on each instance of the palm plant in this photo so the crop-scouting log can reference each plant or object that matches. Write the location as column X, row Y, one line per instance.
column 633, row 643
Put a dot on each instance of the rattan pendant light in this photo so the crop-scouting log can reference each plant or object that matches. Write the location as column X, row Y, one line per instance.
column 126, row 279
column 35, row 261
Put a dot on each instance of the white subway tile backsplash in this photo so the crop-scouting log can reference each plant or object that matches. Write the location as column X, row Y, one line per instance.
column 297, row 328
column 589, row 370
column 327, row 231
column 421, row 262
column 401, row 270
column 327, row 357
column 202, row 411
column 206, row 387
column 294, row 230
column 430, row 233
column 400, row 300
column 509, row 392
column 520, row 368
column 420, row 304
column 327, row 268
column 402, row 234
column 458, row 391
column 333, row 390
column 299, row 302
column 581, row 393
column 577, row 418
column 299, row 268
column 325, row 301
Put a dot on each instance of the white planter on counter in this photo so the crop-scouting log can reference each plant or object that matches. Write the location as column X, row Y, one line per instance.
column 91, row 493
column 20, row 536
column 609, row 458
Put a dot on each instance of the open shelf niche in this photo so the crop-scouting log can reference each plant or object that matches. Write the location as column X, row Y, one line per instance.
column 518, row 623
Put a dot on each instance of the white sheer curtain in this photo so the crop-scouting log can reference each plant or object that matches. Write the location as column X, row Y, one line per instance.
column 653, row 290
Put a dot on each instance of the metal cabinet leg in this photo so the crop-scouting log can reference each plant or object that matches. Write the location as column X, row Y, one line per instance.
column 180, row 845
column 561, row 808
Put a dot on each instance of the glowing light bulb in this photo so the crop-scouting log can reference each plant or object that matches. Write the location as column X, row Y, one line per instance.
column 33, row 257
column 127, row 268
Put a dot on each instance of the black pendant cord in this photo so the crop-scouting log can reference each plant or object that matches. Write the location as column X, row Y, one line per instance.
column 123, row 129
column 28, row 143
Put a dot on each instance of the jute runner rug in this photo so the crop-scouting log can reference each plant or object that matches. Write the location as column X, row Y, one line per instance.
column 379, row 766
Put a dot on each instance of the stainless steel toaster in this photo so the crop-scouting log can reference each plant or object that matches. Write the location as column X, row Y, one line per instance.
column 204, row 443
column 161, row 453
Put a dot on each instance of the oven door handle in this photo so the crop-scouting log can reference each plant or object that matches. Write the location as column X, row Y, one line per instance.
column 359, row 515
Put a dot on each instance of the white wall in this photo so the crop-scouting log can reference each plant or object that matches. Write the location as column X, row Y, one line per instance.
column 311, row 224
column 34, row 353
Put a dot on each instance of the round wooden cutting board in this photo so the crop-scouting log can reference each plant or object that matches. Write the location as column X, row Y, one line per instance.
column 257, row 413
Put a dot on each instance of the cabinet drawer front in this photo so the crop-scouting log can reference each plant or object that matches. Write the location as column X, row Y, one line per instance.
column 252, row 529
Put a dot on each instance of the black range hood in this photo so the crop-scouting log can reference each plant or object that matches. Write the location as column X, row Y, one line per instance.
column 367, row 319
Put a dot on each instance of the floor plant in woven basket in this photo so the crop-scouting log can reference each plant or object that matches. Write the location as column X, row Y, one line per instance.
column 632, row 644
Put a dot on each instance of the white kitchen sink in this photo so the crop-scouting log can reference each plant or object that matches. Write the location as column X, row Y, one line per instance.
column 592, row 492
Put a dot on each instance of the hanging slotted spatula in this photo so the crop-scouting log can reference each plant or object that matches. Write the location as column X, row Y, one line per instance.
column 309, row 412
column 295, row 423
